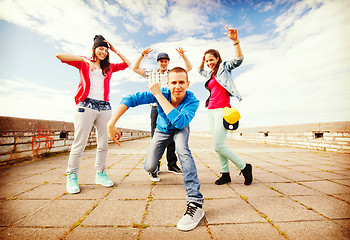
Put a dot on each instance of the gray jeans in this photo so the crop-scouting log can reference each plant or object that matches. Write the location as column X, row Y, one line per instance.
column 85, row 119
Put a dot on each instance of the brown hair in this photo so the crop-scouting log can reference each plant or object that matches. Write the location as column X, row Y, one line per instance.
column 216, row 54
column 104, row 64
column 178, row 70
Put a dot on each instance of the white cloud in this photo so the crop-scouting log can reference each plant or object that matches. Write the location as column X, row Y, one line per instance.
column 181, row 16
column 72, row 23
column 304, row 76
column 298, row 72
column 29, row 100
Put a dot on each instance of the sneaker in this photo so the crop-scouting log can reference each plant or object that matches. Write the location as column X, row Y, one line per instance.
column 154, row 176
column 192, row 217
column 175, row 169
column 72, row 183
column 225, row 178
column 102, row 178
column 247, row 174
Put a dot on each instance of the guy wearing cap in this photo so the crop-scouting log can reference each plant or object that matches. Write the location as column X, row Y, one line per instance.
column 160, row 75
column 176, row 107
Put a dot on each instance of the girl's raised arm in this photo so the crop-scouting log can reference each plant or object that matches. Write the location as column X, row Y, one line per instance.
column 233, row 35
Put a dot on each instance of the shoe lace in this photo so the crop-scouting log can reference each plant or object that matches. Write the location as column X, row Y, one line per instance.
column 72, row 177
column 104, row 176
column 190, row 210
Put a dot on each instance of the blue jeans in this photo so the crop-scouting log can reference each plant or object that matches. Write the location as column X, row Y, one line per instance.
column 155, row 152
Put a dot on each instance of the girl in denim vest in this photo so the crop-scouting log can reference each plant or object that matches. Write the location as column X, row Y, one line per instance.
column 93, row 108
column 221, row 88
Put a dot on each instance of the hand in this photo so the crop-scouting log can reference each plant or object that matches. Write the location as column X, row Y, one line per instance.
column 146, row 52
column 114, row 134
column 154, row 88
column 181, row 51
column 111, row 47
column 232, row 34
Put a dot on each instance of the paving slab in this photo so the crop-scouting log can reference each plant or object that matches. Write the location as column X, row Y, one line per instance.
column 59, row 213
column 211, row 191
column 12, row 211
column 256, row 189
column 16, row 233
column 165, row 212
column 298, row 176
column 115, row 213
column 283, row 209
column 164, row 192
column 130, row 191
column 44, row 191
column 220, row 211
column 171, row 233
column 296, row 194
column 12, row 189
column 315, row 230
column 294, row 189
column 103, row 233
column 328, row 187
column 327, row 205
column 245, row 231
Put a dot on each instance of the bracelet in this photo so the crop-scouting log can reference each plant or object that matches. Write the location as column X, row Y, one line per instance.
column 235, row 43
column 142, row 55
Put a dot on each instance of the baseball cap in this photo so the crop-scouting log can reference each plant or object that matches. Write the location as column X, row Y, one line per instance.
column 231, row 118
column 163, row 56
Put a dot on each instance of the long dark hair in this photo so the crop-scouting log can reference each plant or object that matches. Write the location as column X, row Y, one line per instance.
column 104, row 64
column 216, row 54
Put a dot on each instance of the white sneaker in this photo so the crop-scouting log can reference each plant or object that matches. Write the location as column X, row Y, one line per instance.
column 154, row 176
column 192, row 217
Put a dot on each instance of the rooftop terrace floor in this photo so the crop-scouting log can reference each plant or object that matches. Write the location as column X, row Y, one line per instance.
column 296, row 194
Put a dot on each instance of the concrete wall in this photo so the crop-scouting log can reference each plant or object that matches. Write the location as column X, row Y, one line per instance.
column 331, row 136
column 22, row 138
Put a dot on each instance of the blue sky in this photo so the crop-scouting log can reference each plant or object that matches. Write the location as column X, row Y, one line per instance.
column 296, row 66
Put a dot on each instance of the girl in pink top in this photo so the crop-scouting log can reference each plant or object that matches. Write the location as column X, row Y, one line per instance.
column 93, row 108
column 221, row 88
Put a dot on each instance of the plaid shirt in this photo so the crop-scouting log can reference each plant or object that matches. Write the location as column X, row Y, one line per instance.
column 156, row 76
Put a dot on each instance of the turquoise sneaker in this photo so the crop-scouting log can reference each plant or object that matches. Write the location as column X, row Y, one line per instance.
column 102, row 178
column 72, row 183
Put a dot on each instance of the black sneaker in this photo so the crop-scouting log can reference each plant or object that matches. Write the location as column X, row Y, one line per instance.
column 247, row 174
column 225, row 178
column 175, row 169
column 154, row 176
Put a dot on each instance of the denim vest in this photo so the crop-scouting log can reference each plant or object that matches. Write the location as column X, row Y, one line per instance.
column 223, row 77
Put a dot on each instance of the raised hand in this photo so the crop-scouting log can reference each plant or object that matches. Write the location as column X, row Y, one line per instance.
column 146, row 52
column 181, row 51
column 232, row 33
column 111, row 47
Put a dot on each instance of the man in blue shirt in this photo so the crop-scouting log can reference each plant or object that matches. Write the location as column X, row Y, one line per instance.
column 176, row 108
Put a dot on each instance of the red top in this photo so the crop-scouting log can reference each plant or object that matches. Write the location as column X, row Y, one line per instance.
column 84, row 82
column 219, row 96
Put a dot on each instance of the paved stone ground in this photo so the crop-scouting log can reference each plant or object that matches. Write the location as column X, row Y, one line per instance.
column 296, row 194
